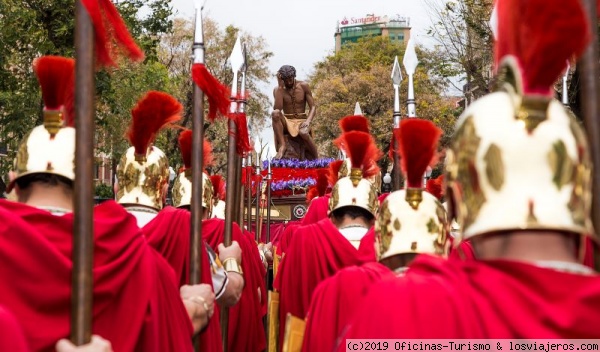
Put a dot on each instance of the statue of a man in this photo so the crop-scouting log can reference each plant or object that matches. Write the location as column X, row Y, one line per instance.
column 289, row 113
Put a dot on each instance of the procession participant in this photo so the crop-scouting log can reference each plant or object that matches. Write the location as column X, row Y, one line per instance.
column 410, row 222
column 37, row 237
column 245, row 317
column 518, row 180
column 319, row 250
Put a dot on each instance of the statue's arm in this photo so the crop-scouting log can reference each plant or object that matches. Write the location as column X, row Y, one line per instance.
column 312, row 108
column 278, row 105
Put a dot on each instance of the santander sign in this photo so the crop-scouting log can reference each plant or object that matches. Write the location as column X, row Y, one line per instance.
column 353, row 21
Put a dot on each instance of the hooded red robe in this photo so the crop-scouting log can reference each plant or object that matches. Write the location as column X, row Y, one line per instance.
column 317, row 210
column 316, row 252
column 169, row 234
column 246, row 332
column 11, row 334
column 137, row 306
column 334, row 303
column 474, row 299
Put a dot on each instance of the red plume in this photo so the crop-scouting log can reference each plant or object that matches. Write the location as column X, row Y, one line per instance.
column 243, row 140
column 322, row 183
column 219, row 187
column 104, row 12
column 311, row 194
column 334, row 171
column 361, row 150
column 56, row 76
column 185, row 146
column 217, row 93
column 418, row 145
column 435, row 187
column 354, row 123
column 154, row 111
column 542, row 35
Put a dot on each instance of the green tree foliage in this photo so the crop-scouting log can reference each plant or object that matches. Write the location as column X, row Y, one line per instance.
column 360, row 72
column 174, row 54
column 33, row 28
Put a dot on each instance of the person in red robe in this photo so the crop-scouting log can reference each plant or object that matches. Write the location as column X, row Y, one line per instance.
column 137, row 304
column 319, row 250
column 409, row 222
column 522, row 218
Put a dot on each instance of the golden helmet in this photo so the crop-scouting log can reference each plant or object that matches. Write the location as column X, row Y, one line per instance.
column 518, row 159
column 182, row 186
column 355, row 189
column 412, row 220
column 143, row 170
column 50, row 148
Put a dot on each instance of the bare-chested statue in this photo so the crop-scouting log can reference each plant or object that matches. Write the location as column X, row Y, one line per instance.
column 290, row 117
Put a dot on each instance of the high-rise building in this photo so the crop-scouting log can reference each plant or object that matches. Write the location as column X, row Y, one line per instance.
column 349, row 30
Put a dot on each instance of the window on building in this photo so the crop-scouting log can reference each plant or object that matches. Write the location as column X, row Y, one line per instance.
column 401, row 36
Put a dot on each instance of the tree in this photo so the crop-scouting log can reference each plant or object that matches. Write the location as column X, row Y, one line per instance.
column 33, row 28
column 174, row 54
column 360, row 72
column 464, row 44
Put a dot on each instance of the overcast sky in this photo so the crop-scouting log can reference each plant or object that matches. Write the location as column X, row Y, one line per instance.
column 300, row 33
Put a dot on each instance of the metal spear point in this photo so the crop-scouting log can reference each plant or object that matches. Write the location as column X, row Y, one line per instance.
column 198, row 46
column 357, row 110
column 243, row 69
column 396, row 80
column 410, row 62
column 236, row 60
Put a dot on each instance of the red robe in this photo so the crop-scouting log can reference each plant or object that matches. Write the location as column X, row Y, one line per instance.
column 169, row 234
column 463, row 251
column 317, row 210
column 137, row 306
column 473, row 299
column 316, row 252
column 286, row 237
column 11, row 334
column 246, row 332
column 334, row 303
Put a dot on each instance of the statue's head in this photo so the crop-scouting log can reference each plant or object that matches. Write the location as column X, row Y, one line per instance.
column 287, row 74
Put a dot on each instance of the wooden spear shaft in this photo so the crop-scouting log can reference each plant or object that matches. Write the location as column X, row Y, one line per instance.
column 196, row 201
column 83, row 238
column 591, row 106
column 249, row 193
column 230, row 207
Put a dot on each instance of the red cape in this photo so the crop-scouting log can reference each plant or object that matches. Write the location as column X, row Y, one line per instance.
column 317, row 210
column 367, row 246
column 169, row 234
column 286, row 238
column 316, row 252
column 246, row 332
column 473, row 299
column 334, row 304
column 137, row 306
column 463, row 251
column 11, row 334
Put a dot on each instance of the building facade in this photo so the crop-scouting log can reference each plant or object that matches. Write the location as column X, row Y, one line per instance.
column 349, row 30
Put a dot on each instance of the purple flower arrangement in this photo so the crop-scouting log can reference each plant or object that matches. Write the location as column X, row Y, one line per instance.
column 294, row 184
column 297, row 164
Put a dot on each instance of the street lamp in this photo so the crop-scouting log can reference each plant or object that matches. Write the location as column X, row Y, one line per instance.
column 387, row 183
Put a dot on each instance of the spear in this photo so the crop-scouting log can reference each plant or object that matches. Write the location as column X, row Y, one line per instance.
column 197, row 153
column 258, row 188
column 83, row 239
column 410, row 62
column 396, row 80
column 236, row 60
column 249, row 192
column 241, row 109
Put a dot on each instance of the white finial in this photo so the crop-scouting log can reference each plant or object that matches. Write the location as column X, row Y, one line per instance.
column 357, row 110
